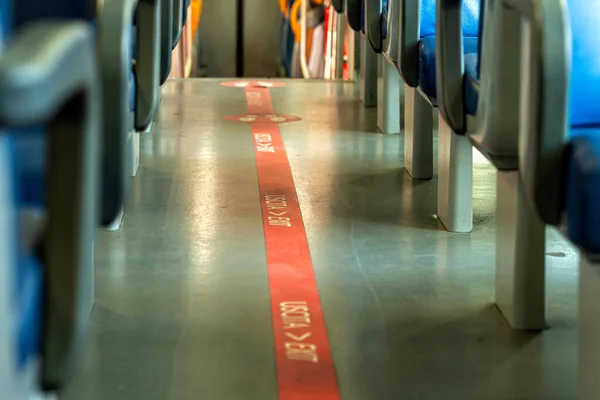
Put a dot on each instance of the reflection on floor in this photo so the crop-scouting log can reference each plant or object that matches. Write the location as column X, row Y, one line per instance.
column 182, row 307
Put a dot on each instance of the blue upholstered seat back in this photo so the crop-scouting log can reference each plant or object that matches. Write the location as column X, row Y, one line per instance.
column 427, row 55
column 585, row 64
column 29, row 10
column 27, row 290
column 6, row 22
column 583, row 179
column 470, row 17
column 31, row 142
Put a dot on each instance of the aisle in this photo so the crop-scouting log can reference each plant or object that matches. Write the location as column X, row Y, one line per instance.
column 182, row 296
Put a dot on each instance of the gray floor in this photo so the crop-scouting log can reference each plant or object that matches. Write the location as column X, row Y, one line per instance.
column 182, row 308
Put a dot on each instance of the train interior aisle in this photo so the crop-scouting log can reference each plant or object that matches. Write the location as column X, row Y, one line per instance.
column 299, row 200
column 182, row 297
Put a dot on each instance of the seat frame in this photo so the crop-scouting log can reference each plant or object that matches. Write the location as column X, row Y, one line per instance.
column 120, row 124
column 59, row 87
column 493, row 131
column 390, row 89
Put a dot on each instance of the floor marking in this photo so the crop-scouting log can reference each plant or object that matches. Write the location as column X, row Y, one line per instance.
column 276, row 118
column 305, row 369
column 244, row 84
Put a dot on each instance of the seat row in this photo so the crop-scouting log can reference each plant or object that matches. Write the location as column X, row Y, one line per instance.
column 519, row 81
column 78, row 79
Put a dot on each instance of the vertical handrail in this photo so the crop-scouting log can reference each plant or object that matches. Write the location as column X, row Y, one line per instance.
column 339, row 45
column 303, row 38
column 350, row 38
column 329, row 46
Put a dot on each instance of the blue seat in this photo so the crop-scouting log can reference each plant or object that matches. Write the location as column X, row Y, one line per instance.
column 583, row 188
column 55, row 108
column 120, row 84
column 20, row 186
column 503, row 116
column 427, row 57
column 470, row 18
column 31, row 142
column 583, row 165
column 28, row 308
column 427, row 47
column 27, row 298
column 31, row 148
column 559, row 156
column 28, row 304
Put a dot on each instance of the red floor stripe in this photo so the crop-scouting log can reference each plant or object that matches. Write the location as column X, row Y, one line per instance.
column 304, row 363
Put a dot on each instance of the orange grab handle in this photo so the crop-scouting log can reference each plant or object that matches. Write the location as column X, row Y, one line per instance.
column 196, row 14
column 297, row 27
column 283, row 6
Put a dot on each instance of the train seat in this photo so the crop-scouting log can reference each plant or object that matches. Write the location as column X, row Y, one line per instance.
column 417, row 60
column 582, row 190
column 48, row 145
column 420, row 71
column 559, row 146
column 338, row 5
column 354, row 10
column 560, row 140
column 499, row 73
column 375, row 27
column 427, row 42
column 23, row 294
column 582, row 187
column 390, row 22
column 130, row 95
column 427, row 63
column 25, row 297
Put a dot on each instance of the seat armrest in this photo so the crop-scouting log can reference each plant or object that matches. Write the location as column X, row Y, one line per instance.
column 373, row 10
column 115, row 44
column 353, row 13
column 546, row 41
column 391, row 44
column 178, row 22
column 39, row 70
column 166, row 39
column 48, row 75
column 450, row 63
column 408, row 32
column 148, row 61
column 338, row 5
